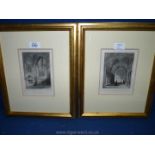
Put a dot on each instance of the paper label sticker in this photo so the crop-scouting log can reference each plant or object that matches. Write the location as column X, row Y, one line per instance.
column 34, row 44
column 119, row 46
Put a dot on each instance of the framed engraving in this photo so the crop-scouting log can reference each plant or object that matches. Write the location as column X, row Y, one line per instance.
column 117, row 71
column 37, row 75
column 116, row 81
column 38, row 69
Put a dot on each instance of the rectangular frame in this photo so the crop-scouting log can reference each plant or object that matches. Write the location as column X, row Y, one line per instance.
column 94, row 27
column 71, row 28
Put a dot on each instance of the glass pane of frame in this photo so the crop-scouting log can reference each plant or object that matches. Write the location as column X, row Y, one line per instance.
column 116, row 68
column 38, row 69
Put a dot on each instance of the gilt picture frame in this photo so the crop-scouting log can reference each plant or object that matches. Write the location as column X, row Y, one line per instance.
column 97, row 99
column 33, row 81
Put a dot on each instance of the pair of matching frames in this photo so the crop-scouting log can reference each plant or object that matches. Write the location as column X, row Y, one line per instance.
column 77, row 65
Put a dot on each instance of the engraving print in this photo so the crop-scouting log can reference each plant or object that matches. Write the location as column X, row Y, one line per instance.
column 118, row 68
column 36, row 68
